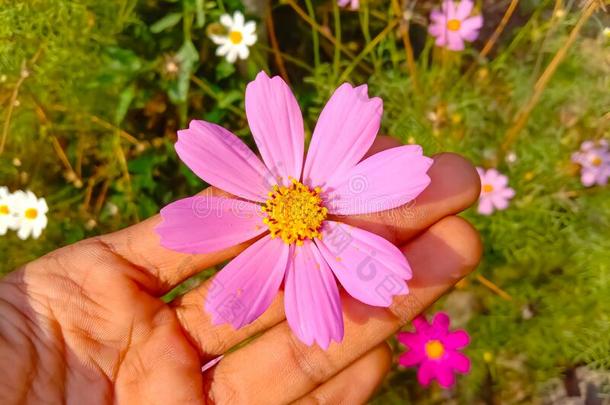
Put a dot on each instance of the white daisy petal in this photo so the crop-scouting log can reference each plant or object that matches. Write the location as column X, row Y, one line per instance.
column 238, row 21
column 218, row 39
column 232, row 55
column 226, row 20
column 243, row 52
column 223, row 49
column 250, row 39
column 249, row 28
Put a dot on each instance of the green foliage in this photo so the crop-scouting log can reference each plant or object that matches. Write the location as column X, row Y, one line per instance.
column 102, row 88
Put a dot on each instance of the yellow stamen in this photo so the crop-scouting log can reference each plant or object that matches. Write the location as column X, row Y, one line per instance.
column 31, row 213
column 488, row 188
column 434, row 349
column 596, row 161
column 4, row 210
column 235, row 37
column 454, row 25
column 294, row 213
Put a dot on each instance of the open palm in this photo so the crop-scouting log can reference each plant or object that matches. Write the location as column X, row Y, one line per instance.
column 86, row 324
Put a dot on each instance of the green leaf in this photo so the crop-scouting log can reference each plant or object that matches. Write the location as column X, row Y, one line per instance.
column 125, row 99
column 200, row 13
column 188, row 57
column 224, row 69
column 166, row 22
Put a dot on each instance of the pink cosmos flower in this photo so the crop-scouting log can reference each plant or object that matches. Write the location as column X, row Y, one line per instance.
column 352, row 4
column 286, row 201
column 495, row 192
column 434, row 349
column 451, row 26
column 594, row 159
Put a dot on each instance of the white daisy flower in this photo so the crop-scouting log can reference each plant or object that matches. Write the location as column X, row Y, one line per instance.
column 31, row 214
column 240, row 35
column 8, row 217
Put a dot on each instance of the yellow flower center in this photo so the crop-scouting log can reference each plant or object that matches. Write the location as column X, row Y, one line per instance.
column 4, row 210
column 596, row 161
column 454, row 25
column 434, row 349
column 294, row 213
column 31, row 213
column 488, row 188
column 235, row 37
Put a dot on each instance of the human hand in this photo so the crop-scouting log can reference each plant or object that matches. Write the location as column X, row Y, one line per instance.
column 86, row 323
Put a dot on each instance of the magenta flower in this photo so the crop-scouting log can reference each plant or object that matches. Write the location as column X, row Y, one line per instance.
column 286, row 201
column 434, row 349
column 351, row 4
column 495, row 192
column 594, row 159
column 451, row 26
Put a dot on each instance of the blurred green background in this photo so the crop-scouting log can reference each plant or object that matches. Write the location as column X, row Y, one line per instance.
column 92, row 94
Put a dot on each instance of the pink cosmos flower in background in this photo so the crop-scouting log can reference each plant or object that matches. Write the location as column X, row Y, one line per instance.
column 594, row 159
column 286, row 199
column 495, row 192
column 351, row 4
column 452, row 24
column 434, row 349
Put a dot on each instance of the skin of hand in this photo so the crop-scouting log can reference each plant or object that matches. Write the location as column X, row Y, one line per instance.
column 86, row 323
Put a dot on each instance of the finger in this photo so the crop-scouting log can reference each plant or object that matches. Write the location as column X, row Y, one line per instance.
column 440, row 199
column 354, row 384
column 296, row 369
column 454, row 186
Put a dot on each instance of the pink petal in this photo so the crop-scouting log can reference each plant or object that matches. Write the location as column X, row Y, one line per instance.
column 440, row 323
column 507, row 193
column 485, row 206
column 448, row 9
column 588, row 177
column 204, row 224
column 499, row 202
column 464, row 9
column 439, row 18
column 497, row 180
column 458, row 361
column 245, row 287
column 370, row 268
column 311, row 298
column 411, row 358
column 276, row 123
column 456, row 340
column 437, row 29
column 426, row 372
column 441, row 40
column 421, row 325
column 410, row 339
column 469, row 29
column 372, row 185
column 345, row 131
column 444, row 375
column 455, row 41
column 223, row 160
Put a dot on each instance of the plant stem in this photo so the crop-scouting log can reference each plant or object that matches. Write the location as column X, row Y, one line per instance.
column 276, row 48
column 337, row 55
column 406, row 41
column 315, row 39
column 499, row 29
